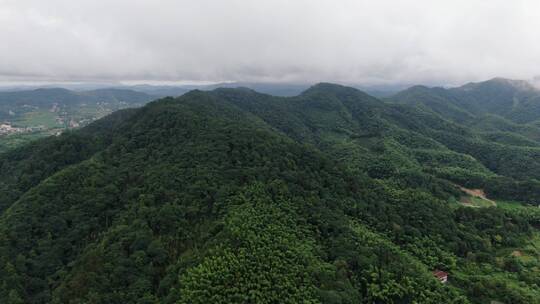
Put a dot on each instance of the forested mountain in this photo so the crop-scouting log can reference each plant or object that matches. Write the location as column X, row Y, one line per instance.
column 515, row 100
column 277, row 89
column 233, row 196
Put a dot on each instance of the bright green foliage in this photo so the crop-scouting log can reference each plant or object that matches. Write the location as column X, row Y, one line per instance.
column 265, row 259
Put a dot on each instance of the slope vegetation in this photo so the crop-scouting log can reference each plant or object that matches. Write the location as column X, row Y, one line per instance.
column 232, row 196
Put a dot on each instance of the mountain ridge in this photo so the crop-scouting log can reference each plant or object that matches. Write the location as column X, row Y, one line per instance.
column 333, row 195
column 516, row 100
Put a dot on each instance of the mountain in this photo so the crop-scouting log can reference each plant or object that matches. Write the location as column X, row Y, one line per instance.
column 515, row 100
column 501, row 110
column 349, row 123
column 276, row 89
column 233, row 196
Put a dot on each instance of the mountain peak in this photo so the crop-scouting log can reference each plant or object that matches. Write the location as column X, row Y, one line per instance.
column 51, row 90
column 521, row 85
column 239, row 89
column 332, row 88
column 326, row 86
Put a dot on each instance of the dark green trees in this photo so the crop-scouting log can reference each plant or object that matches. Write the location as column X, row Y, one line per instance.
column 232, row 196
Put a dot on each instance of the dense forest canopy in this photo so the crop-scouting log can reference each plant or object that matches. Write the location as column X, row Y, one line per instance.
column 233, row 196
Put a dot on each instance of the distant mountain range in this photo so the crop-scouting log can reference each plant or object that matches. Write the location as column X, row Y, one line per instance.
column 46, row 96
column 276, row 89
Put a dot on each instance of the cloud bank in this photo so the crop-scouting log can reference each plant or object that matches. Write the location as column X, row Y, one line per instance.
column 351, row 41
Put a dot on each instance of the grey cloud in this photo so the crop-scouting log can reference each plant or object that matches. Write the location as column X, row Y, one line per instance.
column 353, row 41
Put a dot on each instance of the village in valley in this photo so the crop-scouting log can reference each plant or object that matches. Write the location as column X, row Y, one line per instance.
column 37, row 120
column 28, row 122
column 7, row 129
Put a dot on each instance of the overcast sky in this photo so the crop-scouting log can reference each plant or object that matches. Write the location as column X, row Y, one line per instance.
column 356, row 41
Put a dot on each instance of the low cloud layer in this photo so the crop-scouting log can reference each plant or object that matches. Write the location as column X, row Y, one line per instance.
column 351, row 41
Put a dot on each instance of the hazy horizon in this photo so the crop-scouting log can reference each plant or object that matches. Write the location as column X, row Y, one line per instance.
column 82, row 85
column 351, row 42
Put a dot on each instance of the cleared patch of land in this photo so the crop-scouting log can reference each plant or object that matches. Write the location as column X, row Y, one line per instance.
column 476, row 198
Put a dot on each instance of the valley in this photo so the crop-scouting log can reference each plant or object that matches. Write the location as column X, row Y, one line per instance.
column 28, row 115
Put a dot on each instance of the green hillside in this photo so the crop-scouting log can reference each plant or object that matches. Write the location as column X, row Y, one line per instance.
column 515, row 100
column 232, row 196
